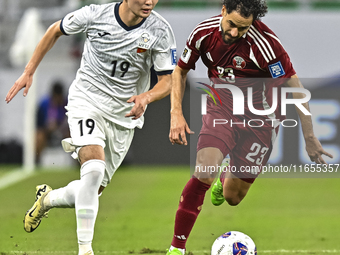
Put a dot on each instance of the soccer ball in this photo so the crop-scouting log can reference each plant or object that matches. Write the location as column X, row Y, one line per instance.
column 233, row 243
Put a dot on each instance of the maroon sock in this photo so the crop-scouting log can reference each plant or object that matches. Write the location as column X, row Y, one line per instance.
column 189, row 207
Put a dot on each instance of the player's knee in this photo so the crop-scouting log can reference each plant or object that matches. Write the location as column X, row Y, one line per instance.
column 206, row 172
column 208, row 163
column 206, row 177
column 91, row 152
column 232, row 199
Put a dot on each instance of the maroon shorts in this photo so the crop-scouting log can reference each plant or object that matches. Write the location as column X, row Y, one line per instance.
column 249, row 148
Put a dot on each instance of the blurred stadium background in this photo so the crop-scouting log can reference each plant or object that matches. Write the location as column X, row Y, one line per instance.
column 309, row 31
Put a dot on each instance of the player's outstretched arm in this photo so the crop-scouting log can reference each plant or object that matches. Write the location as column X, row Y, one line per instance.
column 313, row 145
column 159, row 91
column 45, row 44
column 178, row 125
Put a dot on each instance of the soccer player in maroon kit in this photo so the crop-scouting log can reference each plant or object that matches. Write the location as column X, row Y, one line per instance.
column 238, row 49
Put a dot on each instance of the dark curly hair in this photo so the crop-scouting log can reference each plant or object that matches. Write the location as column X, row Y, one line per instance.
column 257, row 8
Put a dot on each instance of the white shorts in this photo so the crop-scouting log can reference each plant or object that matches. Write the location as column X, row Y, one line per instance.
column 89, row 128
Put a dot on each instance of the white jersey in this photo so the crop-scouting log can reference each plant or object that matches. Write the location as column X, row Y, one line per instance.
column 117, row 59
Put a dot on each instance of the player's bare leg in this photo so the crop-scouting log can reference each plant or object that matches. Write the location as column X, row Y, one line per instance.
column 234, row 189
column 229, row 188
column 192, row 197
column 208, row 157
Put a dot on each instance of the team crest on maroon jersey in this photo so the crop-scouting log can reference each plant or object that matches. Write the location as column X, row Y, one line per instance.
column 239, row 62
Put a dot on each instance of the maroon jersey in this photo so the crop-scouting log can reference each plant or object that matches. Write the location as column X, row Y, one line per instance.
column 257, row 55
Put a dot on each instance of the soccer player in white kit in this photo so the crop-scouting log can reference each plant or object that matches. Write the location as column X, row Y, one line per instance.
column 106, row 100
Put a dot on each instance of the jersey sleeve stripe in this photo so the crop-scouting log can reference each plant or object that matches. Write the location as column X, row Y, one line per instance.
column 252, row 57
column 198, row 42
column 256, row 38
column 265, row 41
column 206, row 23
column 197, row 30
column 62, row 28
column 259, row 47
column 273, row 36
column 164, row 72
column 217, row 18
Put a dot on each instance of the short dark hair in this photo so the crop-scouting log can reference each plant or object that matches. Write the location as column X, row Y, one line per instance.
column 257, row 8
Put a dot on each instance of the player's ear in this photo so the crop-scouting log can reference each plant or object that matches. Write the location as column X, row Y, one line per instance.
column 224, row 10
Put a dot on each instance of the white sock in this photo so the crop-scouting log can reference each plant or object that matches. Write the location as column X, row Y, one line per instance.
column 181, row 250
column 86, row 199
column 63, row 197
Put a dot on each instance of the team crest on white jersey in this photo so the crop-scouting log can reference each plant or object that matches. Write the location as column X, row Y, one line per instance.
column 144, row 42
column 239, row 62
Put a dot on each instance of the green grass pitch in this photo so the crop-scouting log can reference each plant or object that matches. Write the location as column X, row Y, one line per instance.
column 137, row 211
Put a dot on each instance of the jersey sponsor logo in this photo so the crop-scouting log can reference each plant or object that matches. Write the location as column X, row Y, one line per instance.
column 103, row 34
column 173, row 56
column 239, row 62
column 276, row 70
column 186, row 55
column 144, row 42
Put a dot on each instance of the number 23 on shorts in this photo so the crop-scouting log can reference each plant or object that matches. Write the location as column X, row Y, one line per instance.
column 257, row 153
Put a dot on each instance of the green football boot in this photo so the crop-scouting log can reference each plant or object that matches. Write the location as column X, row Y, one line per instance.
column 217, row 197
column 174, row 252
